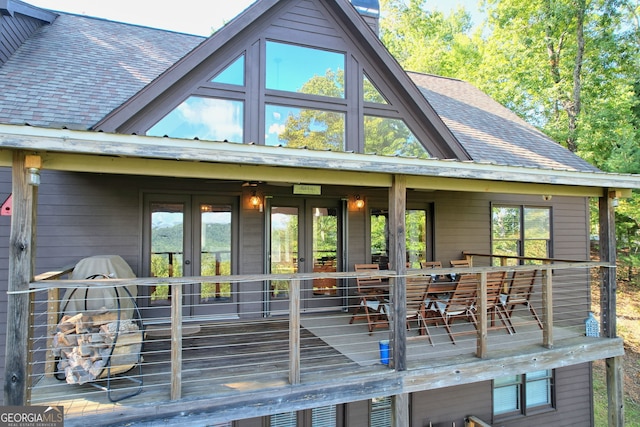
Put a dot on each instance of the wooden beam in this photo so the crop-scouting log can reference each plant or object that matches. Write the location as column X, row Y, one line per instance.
column 400, row 410
column 547, row 307
column 608, row 286
column 294, row 332
column 21, row 266
column 176, row 342
column 483, row 332
column 615, row 391
column 398, row 261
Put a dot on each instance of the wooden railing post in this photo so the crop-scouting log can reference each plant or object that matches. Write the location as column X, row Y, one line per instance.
column 53, row 314
column 176, row 341
column 294, row 331
column 482, row 316
column 547, row 307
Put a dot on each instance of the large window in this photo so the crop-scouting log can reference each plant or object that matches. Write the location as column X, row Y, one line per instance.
column 304, row 127
column 523, row 394
column 521, row 231
column 302, row 69
column 212, row 119
column 416, row 237
column 391, row 137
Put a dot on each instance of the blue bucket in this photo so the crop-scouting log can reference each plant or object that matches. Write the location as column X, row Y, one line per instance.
column 384, row 352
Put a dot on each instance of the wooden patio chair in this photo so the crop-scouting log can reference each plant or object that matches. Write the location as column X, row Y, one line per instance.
column 519, row 293
column 495, row 286
column 373, row 299
column 460, row 305
column 416, row 297
column 460, row 263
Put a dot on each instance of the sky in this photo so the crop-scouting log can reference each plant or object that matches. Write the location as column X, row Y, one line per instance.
column 199, row 17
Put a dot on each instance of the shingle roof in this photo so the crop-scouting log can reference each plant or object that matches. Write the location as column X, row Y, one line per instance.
column 78, row 69
column 75, row 71
column 489, row 131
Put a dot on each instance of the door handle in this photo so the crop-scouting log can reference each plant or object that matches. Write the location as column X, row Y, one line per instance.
column 187, row 262
column 301, row 260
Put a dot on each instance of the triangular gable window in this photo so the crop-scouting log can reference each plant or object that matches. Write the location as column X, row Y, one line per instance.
column 233, row 74
column 391, row 137
column 370, row 93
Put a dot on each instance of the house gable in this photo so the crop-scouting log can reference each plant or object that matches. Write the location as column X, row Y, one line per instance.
column 306, row 27
column 18, row 21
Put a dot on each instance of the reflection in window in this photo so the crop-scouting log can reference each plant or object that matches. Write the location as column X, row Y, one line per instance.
column 416, row 237
column 215, row 251
column 370, row 93
column 521, row 231
column 391, row 137
column 303, row 127
column 205, row 118
column 302, row 69
column 233, row 74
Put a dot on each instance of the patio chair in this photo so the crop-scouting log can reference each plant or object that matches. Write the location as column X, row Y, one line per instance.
column 372, row 294
column 417, row 289
column 519, row 293
column 460, row 263
column 495, row 286
column 460, row 305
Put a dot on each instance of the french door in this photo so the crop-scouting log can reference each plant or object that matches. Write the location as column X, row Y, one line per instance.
column 188, row 235
column 305, row 236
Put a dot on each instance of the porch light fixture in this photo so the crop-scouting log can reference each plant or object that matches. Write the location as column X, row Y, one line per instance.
column 33, row 165
column 359, row 202
column 255, row 201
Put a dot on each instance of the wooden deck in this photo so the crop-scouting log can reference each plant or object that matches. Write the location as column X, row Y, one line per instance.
column 222, row 361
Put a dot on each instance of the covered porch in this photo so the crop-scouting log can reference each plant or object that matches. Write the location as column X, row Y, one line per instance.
column 222, row 367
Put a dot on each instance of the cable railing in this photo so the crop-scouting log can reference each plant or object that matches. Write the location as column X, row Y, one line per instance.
column 188, row 348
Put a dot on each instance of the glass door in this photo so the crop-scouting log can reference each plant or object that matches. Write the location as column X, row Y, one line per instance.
column 189, row 236
column 305, row 237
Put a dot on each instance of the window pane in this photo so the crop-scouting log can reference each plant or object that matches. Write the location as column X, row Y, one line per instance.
column 301, row 127
column 538, row 392
column 205, row 118
column 505, row 222
column 537, row 223
column 215, row 251
column 380, row 412
column 324, row 416
column 287, row 419
column 506, row 399
column 416, row 229
column 391, row 137
column 536, row 249
column 370, row 93
column 305, row 70
column 233, row 74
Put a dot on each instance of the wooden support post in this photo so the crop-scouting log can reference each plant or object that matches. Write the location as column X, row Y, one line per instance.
column 294, row 331
column 547, row 308
column 21, row 267
column 400, row 410
column 398, row 261
column 176, row 341
column 483, row 333
column 53, row 317
column 608, row 286
column 615, row 391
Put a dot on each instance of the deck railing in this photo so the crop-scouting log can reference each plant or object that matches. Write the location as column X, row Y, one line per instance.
column 229, row 346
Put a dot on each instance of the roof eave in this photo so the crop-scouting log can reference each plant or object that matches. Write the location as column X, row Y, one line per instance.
column 43, row 140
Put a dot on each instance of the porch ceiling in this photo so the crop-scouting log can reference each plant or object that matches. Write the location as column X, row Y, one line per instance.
column 87, row 151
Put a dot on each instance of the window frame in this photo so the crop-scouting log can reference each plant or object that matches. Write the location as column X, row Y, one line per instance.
column 522, row 239
column 525, row 410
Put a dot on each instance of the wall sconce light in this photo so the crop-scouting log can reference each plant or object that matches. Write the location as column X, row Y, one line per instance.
column 615, row 202
column 33, row 165
column 547, row 197
column 255, row 201
column 359, row 202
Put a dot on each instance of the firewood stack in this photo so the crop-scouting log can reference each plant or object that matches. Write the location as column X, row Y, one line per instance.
column 84, row 344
